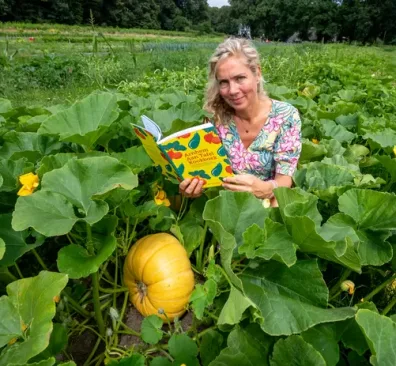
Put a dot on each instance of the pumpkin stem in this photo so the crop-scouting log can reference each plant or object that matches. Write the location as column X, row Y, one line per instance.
column 142, row 290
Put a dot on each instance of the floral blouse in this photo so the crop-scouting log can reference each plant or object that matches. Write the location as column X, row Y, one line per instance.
column 276, row 148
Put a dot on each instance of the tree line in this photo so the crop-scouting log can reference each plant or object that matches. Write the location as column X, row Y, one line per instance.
column 364, row 21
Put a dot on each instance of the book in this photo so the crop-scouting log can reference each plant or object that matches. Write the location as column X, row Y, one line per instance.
column 195, row 152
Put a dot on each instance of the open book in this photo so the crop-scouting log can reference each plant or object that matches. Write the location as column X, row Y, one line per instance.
column 193, row 152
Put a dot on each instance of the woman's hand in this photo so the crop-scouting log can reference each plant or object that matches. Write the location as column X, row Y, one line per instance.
column 191, row 188
column 248, row 183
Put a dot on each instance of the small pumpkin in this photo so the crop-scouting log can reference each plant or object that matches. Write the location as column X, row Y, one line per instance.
column 158, row 274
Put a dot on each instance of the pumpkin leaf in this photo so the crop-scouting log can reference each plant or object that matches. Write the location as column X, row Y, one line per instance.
column 77, row 262
column 324, row 338
column 233, row 309
column 134, row 360
column 203, row 296
column 78, row 183
column 151, row 329
column 380, row 332
column 296, row 349
column 288, row 305
column 58, row 341
column 85, row 121
column 228, row 216
column 245, row 346
column 272, row 242
column 15, row 241
column 183, row 349
column 135, row 157
column 210, row 347
column 24, row 312
column 160, row 361
column 370, row 209
column 27, row 145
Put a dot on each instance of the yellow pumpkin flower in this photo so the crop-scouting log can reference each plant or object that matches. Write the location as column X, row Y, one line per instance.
column 315, row 141
column 348, row 286
column 29, row 183
column 394, row 150
column 56, row 298
column 161, row 199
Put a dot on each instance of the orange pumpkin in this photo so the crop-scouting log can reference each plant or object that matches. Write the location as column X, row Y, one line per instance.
column 158, row 273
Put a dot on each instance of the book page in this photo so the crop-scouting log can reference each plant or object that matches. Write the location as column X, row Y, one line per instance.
column 152, row 127
column 185, row 131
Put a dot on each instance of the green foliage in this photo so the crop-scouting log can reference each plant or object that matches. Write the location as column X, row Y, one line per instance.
column 267, row 279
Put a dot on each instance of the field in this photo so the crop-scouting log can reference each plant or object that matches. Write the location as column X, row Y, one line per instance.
column 312, row 282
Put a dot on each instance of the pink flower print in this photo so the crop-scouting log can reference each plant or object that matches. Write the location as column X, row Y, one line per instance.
column 237, row 152
column 252, row 160
column 237, row 149
column 222, row 130
column 273, row 124
column 238, row 163
column 290, row 139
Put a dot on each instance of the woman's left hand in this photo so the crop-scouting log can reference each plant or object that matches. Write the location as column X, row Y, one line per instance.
column 248, row 183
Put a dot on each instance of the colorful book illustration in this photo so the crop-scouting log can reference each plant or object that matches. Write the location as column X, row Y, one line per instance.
column 193, row 152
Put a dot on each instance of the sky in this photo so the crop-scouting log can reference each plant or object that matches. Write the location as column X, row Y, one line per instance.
column 217, row 3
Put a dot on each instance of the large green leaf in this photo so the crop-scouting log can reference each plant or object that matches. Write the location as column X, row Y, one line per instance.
column 272, row 242
column 299, row 212
column 291, row 300
column 15, row 241
column 78, row 183
column 228, row 216
column 311, row 151
column 233, row 309
column 335, row 131
column 380, row 332
column 385, row 138
column 5, row 105
column 27, row 145
column 202, row 297
column 324, row 339
column 175, row 119
column 295, row 351
column 210, row 347
column 85, row 121
column 370, row 209
column 77, row 261
column 135, row 157
column 247, row 346
column 49, row 213
column 389, row 164
column 26, row 314
column 183, row 349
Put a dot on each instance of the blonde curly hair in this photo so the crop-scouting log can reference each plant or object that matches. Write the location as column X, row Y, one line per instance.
column 214, row 102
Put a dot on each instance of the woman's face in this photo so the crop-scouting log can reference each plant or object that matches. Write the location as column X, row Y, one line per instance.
column 237, row 83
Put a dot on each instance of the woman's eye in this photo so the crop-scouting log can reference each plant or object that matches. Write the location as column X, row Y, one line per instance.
column 223, row 84
column 240, row 78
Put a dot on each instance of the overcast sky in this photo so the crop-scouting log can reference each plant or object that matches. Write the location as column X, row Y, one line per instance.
column 217, row 3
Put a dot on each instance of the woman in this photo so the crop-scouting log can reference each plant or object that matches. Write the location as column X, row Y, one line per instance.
column 262, row 136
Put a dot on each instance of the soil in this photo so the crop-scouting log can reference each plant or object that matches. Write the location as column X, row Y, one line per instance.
column 133, row 319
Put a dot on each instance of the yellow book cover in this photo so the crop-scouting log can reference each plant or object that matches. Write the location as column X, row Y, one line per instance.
column 193, row 152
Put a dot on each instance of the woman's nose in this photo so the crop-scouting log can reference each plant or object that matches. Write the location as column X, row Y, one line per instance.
column 233, row 88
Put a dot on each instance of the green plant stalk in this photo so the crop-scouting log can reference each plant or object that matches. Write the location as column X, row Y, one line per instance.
column 7, row 277
column 39, row 259
column 379, row 288
column 94, row 349
column 18, row 270
column 201, row 248
column 76, row 306
column 389, row 306
column 113, row 291
column 95, row 286
column 343, row 277
column 131, row 236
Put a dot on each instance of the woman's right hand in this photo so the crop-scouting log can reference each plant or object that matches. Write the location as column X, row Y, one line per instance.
column 191, row 188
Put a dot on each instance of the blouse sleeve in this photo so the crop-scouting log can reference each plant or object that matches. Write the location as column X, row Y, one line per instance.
column 287, row 148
